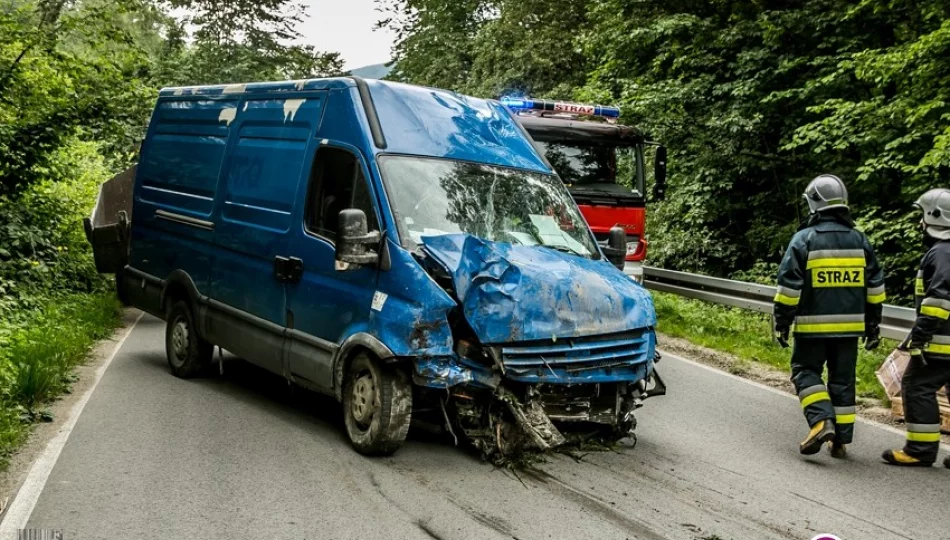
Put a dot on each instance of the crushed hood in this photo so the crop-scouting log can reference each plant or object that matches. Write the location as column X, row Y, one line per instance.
column 512, row 293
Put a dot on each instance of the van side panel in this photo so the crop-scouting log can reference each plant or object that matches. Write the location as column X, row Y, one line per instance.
column 269, row 156
column 176, row 185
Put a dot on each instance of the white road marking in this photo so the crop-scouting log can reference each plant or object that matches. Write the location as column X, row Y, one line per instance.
column 18, row 514
column 886, row 427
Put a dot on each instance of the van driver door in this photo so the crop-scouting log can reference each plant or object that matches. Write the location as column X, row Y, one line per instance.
column 326, row 302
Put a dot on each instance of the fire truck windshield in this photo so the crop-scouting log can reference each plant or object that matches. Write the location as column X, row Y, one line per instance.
column 617, row 170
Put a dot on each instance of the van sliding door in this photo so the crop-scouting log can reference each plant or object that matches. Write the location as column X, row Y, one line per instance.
column 271, row 140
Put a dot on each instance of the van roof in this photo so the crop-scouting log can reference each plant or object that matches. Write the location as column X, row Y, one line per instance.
column 416, row 120
column 259, row 87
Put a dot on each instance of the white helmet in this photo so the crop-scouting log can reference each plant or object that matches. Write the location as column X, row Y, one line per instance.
column 826, row 192
column 936, row 206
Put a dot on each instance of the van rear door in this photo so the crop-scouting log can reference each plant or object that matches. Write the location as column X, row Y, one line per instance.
column 176, row 186
column 271, row 141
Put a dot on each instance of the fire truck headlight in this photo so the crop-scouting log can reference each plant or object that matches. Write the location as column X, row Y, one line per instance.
column 633, row 247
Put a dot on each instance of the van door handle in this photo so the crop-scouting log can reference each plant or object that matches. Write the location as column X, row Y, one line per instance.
column 288, row 269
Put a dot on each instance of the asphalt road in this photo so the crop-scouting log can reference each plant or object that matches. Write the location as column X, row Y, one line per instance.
column 244, row 456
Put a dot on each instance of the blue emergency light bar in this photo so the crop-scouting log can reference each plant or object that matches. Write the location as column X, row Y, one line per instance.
column 546, row 105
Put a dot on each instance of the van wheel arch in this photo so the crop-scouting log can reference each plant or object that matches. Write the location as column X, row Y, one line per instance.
column 352, row 347
column 179, row 286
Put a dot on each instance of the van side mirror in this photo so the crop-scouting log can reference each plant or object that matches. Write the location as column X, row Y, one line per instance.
column 659, row 174
column 616, row 249
column 353, row 238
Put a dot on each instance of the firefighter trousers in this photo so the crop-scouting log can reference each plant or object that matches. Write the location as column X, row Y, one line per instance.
column 834, row 401
column 922, row 379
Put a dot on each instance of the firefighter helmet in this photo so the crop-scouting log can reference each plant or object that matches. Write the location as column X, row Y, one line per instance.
column 936, row 207
column 826, row 192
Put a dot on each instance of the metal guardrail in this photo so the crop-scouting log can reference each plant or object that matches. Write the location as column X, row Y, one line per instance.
column 896, row 324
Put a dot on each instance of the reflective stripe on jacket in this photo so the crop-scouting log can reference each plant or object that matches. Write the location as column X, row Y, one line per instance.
column 931, row 331
column 829, row 283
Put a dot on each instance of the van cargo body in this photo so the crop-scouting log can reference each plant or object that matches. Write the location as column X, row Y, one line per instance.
column 403, row 249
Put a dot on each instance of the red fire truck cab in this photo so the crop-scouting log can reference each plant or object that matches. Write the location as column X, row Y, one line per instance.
column 602, row 163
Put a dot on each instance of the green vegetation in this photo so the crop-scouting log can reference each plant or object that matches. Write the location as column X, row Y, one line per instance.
column 753, row 99
column 37, row 359
column 748, row 336
column 78, row 80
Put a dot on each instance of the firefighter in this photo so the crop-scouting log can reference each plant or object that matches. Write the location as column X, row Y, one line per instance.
column 832, row 288
column 929, row 339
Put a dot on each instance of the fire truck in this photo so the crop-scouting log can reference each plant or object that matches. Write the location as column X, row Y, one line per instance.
column 603, row 164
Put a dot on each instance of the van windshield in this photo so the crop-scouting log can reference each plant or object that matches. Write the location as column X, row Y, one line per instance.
column 431, row 196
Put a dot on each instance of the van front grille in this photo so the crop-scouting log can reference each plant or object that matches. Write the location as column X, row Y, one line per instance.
column 577, row 358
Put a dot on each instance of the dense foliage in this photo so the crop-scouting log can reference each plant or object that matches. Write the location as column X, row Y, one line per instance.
column 78, row 80
column 753, row 99
column 77, row 83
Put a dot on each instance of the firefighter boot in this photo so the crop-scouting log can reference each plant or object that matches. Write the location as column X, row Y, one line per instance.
column 946, row 462
column 822, row 432
column 838, row 450
column 902, row 459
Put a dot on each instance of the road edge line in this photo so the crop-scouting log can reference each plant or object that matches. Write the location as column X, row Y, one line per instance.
column 885, row 427
column 18, row 514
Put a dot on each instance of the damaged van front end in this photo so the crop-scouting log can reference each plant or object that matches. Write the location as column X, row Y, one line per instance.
column 523, row 333
column 547, row 346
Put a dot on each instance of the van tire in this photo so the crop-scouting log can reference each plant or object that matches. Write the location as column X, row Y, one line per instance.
column 187, row 353
column 380, row 428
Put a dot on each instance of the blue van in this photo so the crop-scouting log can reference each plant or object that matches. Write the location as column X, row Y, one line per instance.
column 404, row 249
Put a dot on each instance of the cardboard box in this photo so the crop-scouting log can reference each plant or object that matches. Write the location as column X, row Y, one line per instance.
column 891, row 371
column 890, row 374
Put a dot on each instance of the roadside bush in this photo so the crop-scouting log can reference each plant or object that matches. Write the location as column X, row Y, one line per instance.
column 53, row 304
column 37, row 360
column 43, row 250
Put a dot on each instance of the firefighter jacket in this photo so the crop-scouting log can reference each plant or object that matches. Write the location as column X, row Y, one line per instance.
column 931, row 331
column 829, row 282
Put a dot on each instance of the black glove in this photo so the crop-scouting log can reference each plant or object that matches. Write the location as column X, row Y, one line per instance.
column 916, row 351
column 872, row 338
column 781, row 336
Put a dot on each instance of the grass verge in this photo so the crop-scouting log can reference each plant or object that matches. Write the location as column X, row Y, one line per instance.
column 37, row 360
column 748, row 335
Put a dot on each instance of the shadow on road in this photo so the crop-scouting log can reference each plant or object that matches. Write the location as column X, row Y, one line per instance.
column 257, row 387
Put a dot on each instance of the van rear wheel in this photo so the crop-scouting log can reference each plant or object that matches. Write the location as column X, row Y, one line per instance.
column 377, row 406
column 188, row 354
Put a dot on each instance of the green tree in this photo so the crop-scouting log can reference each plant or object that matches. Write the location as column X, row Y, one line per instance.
column 488, row 47
column 240, row 41
column 527, row 48
column 55, row 82
column 885, row 110
column 434, row 39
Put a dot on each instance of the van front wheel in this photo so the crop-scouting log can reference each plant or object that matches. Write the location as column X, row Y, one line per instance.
column 188, row 354
column 377, row 406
